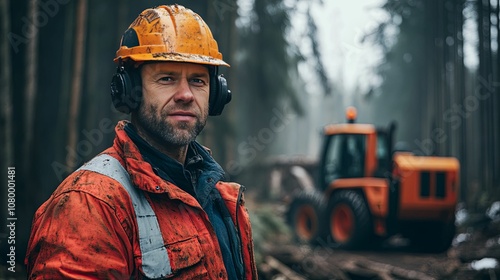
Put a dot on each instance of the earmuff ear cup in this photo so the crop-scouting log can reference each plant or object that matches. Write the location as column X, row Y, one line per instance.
column 126, row 89
column 220, row 95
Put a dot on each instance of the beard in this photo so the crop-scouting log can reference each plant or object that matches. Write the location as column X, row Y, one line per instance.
column 170, row 134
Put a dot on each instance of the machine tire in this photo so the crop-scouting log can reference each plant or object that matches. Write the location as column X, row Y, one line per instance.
column 304, row 217
column 349, row 220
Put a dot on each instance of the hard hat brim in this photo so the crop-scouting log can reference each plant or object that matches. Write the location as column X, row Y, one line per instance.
column 172, row 57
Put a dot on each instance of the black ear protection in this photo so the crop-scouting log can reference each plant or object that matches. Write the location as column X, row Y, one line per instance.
column 126, row 90
column 220, row 95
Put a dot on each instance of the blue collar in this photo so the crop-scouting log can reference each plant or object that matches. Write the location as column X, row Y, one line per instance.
column 197, row 176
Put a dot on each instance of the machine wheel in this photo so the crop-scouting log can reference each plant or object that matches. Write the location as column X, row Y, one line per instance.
column 304, row 216
column 432, row 237
column 350, row 223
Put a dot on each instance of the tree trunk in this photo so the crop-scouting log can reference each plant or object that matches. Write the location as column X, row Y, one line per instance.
column 30, row 89
column 460, row 94
column 60, row 142
column 76, row 90
column 495, row 102
column 232, row 43
column 496, row 79
column 434, row 73
column 484, row 75
column 6, row 153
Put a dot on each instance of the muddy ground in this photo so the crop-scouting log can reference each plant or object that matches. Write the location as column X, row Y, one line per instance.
column 475, row 254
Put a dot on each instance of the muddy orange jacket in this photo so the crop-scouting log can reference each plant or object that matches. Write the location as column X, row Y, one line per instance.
column 88, row 229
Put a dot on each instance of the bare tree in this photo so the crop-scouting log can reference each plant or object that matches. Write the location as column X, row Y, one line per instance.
column 5, row 93
column 30, row 89
column 76, row 90
column 486, row 109
column 497, row 103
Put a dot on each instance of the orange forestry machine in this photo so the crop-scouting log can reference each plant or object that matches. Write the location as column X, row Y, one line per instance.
column 368, row 192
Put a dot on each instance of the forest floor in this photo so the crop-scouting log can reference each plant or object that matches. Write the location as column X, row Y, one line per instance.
column 475, row 254
column 465, row 261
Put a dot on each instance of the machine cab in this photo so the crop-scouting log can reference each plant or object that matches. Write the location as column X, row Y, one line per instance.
column 354, row 150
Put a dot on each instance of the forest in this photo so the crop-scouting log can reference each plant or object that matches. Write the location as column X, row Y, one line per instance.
column 438, row 76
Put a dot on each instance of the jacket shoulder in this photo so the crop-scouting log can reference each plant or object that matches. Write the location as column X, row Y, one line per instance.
column 92, row 190
column 100, row 186
column 90, row 182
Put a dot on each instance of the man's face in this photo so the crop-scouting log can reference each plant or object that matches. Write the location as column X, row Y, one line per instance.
column 174, row 106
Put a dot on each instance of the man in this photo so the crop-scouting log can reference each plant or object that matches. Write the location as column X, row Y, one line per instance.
column 153, row 205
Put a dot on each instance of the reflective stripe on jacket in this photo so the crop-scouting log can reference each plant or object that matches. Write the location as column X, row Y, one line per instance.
column 88, row 229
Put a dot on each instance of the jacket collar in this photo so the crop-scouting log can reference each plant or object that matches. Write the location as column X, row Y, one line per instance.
column 144, row 176
column 164, row 166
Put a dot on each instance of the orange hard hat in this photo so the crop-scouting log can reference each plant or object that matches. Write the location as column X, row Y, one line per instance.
column 169, row 33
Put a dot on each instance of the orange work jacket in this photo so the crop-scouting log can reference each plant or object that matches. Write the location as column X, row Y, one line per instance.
column 88, row 229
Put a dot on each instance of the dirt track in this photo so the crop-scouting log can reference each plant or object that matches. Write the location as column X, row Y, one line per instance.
column 476, row 245
column 389, row 262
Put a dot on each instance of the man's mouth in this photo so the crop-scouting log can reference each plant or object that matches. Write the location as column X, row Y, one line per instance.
column 182, row 115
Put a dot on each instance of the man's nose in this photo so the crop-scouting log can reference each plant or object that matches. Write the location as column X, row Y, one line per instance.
column 183, row 93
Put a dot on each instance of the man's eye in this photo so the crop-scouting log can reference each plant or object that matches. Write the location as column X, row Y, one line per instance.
column 198, row 81
column 166, row 79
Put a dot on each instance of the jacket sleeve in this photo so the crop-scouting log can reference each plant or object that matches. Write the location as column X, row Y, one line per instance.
column 78, row 235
